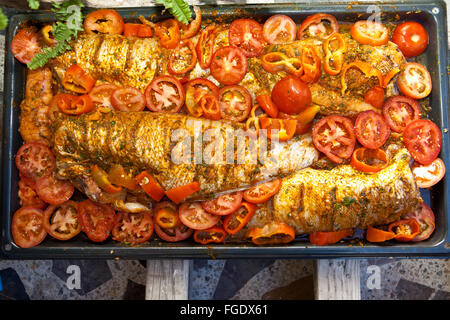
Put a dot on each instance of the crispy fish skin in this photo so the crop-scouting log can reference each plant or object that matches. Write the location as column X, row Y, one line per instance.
column 153, row 142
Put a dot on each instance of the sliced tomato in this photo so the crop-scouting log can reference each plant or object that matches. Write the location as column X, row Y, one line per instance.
column 279, row 29
column 370, row 32
column 178, row 194
column 236, row 221
column 399, row 111
column 190, row 30
column 61, row 221
column 375, row 97
column 235, row 103
column 414, row 81
column 291, row 95
column 168, row 33
column 411, row 37
column 325, row 238
column 369, row 160
column 128, row 99
column 133, row 227
column 164, row 94
column 166, row 215
column 103, row 21
column 97, row 219
column 272, row 233
column 35, row 160
column 150, row 185
column 371, row 129
column 101, row 95
column 405, row 230
column 54, row 191
column 280, row 129
column 205, row 46
column 378, row 235
column 334, row 136
column 266, row 103
column 183, row 58
column 27, row 227
column 319, row 25
column 223, row 205
column 212, row 235
column 427, row 176
column 28, row 195
column 196, row 102
column 179, row 233
column 228, row 65
column 78, row 80
column 25, row 45
column 195, row 217
column 423, row 140
column 425, row 217
column 246, row 34
column 263, row 191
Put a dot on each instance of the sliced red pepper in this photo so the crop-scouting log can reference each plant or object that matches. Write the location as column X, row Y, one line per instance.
column 150, row 185
column 178, row 194
column 78, row 80
column 334, row 48
column 369, row 160
column 274, row 62
column 145, row 31
column 190, row 30
column 101, row 178
column 79, row 105
column 131, row 29
column 266, row 103
column 286, row 127
column 237, row 220
column 325, row 238
column 183, row 59
column 210, row 106
column 405, row 230
column 388, row 77
column 366, row 68
column 272, row 233
column 168, row 33
column 205, row 46
column 311, row 65
column 167, row 217
column 378, row 235
column 212, row 235
column 118, row 177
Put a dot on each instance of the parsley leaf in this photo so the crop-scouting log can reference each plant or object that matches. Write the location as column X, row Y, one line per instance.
column 3, row 20
column 178, row 8
column 33, row 4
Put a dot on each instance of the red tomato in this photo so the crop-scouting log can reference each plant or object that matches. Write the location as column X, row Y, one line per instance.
column 425, row 218
column 235, row 103
column 333, row 135
column 291, row 95
column 101, row 95
column 414, row 81
column 371, row 129
column 375, row 97
column 223, row 205
column 183, row 58
column 427, row 176
column 179, row 233
column 164, row 94
column 279, row 29
column 423, row 140
column 97, row 219
column 106, row 21
column 263, row 191
column 25, row 45
column 27, row 227
column 54, row 191
column 133, row 227
column 35, row 160
column 399, row 111
column 195, row 217
column 128, row 99
column 246, row 34
column 372, row 33
column 61, row 221
column 228, row 65
column 319, row 25
column 28, row 195
column 411, row 37
column 212, row 235
column 266, row 103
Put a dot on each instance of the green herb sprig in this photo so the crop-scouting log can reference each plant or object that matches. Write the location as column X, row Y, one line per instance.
column 178, row 8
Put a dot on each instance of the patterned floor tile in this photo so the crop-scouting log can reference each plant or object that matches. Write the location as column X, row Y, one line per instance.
column 12, row 287
column 301, row 289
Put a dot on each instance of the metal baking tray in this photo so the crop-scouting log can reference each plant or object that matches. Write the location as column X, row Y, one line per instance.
column 431, row 14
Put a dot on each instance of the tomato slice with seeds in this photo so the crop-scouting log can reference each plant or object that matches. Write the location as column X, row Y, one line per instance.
column 101, row 95
column 427, row 176
column 35, row 160
column 195, row 217
column 179, row 233
column 205, row 46
column 61, row 221
column 263, row 191
column 236, row 221
column 414, row 81
column 103, row 21
column 411, row 37
column 319, row 25
column 223, row 205
column 133, row 228
column 279, row 29
column 246, row 34
column 399, row 111
column 212, row 235
column 423, row 139
column 235, row 103
column 28, row 195
column 426, row 219
column 371, row 129
column 54, row 191
column 164, row 94
column 370, row 32
column 183, row 58
column 97, row 219
column 128, row 99
column 27, row 227
column 334, row 136
column 25, row 45
column 228, row 65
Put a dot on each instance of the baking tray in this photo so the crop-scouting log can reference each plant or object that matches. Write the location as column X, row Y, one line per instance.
column 431, row 14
